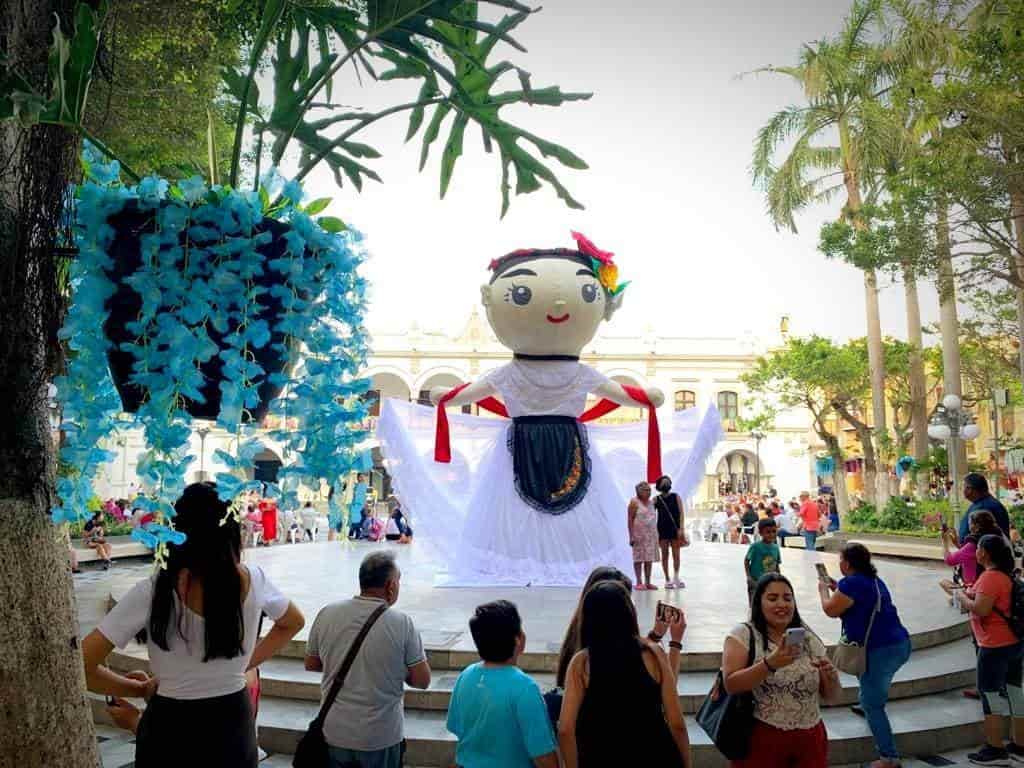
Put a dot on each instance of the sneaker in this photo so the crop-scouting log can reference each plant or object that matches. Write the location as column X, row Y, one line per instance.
column 670, row 585
column 1016, row 753
column 989, row 755
column 680, row 584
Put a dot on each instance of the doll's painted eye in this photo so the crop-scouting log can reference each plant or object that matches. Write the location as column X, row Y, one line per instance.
column 589, row 293
column 521, row 295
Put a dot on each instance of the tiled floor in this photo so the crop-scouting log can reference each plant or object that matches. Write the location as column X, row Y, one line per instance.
column 715, row 599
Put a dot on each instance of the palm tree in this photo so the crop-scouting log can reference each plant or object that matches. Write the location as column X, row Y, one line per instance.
column 843, row 80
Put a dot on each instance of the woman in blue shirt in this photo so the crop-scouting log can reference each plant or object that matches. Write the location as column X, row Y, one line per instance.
column 855, row 599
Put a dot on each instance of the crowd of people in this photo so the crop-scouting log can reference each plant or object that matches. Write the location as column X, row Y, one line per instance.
column 202, row 670
column 806, row 516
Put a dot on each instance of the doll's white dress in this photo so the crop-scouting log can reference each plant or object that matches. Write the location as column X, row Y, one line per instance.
column 480, row 515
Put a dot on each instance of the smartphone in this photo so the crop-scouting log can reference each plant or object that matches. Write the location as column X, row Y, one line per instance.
column 667, row 613
column 795, row 637
column 110, row 701
column 823, row 576
column 945, row 527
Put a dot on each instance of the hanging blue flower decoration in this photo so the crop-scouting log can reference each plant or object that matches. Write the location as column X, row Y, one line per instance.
column 904, row 464
column 200, row 283
column 824, row 465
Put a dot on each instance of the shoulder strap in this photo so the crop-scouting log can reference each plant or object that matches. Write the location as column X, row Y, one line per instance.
column 339, row 679
column 750, row 649
column 878, row 607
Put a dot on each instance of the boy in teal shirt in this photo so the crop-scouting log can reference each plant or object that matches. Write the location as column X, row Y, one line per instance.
column 763, row 556
column 496, row 710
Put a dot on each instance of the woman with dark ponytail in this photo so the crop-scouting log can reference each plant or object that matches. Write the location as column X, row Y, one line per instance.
column 199, row 618
column 864, row 604
column 1000, row 653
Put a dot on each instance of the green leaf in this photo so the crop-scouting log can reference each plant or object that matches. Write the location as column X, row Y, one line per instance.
column 264, row 199
column 211, row 148
column 331, row 224
column 317, row 206
column 235, row 83
column 71, row 63
column 433, row 130
column 452, row 150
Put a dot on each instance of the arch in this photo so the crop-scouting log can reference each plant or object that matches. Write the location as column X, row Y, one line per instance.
column 737, row 470
column 451, row 371
column 440, row 377
column 265, row 466
column 385, row 384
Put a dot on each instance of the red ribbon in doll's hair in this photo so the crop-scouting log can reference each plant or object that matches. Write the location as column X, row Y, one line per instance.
column 442, row 439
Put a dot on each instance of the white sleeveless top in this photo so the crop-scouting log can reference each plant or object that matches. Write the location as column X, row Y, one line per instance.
column 545, row 387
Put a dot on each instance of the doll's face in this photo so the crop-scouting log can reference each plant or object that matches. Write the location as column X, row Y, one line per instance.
column 545, row 306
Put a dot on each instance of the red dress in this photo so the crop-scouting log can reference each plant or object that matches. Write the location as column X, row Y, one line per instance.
column 268, row 509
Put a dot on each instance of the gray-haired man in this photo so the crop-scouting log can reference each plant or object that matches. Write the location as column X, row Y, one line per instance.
column 365, row 725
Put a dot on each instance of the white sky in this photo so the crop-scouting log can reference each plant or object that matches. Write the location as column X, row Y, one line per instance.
column 668, row 136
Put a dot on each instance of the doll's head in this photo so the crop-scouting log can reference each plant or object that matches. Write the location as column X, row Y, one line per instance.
column 551, row 301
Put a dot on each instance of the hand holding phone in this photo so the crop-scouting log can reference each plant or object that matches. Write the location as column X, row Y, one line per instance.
column 823, row 576
column 666, row 613
column 794, row 637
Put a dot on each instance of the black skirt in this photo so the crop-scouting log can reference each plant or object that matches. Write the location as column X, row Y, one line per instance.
column 193, row 732
column 550, row 462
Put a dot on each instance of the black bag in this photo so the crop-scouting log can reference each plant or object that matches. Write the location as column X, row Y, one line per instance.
column 312, row 749
column 1016, row 618
column 728, row 718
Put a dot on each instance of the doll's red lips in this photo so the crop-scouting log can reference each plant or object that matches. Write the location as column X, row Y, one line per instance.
column 561, row 319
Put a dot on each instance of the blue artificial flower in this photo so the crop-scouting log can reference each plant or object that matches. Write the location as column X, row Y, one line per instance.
column 193, row 189
column 151, row 190
column 293, row 192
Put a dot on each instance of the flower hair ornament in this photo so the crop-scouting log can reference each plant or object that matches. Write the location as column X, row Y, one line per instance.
column 600, row 262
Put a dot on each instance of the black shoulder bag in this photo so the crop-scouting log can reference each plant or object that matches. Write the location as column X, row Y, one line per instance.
column 728, row 718
column 312, row 749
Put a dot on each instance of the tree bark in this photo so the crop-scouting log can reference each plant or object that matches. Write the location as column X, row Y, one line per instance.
column 871, row 469
column 44, row 716
column 949, row 323
column 918, row 384
column 1017, row 217
column 876, row 367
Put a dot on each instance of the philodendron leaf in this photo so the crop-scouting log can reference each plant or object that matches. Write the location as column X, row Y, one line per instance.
column 332, row 224
column 317, row 206
column 71, row 63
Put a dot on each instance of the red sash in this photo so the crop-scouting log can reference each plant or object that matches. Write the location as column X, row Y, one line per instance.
column 442, row 440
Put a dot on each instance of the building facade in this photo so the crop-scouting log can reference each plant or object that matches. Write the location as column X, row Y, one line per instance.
column 692, row 371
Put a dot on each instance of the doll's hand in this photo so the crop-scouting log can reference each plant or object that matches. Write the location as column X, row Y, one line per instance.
column 656, row 396
column 437, row 393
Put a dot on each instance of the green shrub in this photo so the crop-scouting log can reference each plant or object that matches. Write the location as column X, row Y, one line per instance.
column 1017, row 517
column 933, row 513
column 864, row 517
column 900, row 515
column 110, row 526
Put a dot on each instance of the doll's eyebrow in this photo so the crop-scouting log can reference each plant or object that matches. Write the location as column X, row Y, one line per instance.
column 519, row 273
column 586, row 272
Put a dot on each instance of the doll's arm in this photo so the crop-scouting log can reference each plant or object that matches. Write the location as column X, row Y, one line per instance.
column 478, row 390
column 612, row 390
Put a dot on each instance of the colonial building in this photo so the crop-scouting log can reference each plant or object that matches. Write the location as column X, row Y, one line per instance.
column 692, row 371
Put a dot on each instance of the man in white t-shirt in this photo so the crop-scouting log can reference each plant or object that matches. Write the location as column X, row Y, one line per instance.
column 365, row 725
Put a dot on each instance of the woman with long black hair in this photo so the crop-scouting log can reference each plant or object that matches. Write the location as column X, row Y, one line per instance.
column 621, row 706
column 199, row 616
column 789, row 677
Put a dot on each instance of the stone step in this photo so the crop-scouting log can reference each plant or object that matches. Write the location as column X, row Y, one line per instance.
column 923, row 725
column 932, row 670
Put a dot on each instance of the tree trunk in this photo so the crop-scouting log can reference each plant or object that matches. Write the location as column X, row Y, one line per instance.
column 876, row 366
column 949, row 324
column 918, row 384
column 838, row 477
column 44, row 716
column 1017, row 216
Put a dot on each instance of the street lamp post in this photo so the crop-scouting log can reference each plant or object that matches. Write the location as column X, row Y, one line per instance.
column 758, row 436
column 951, row 423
